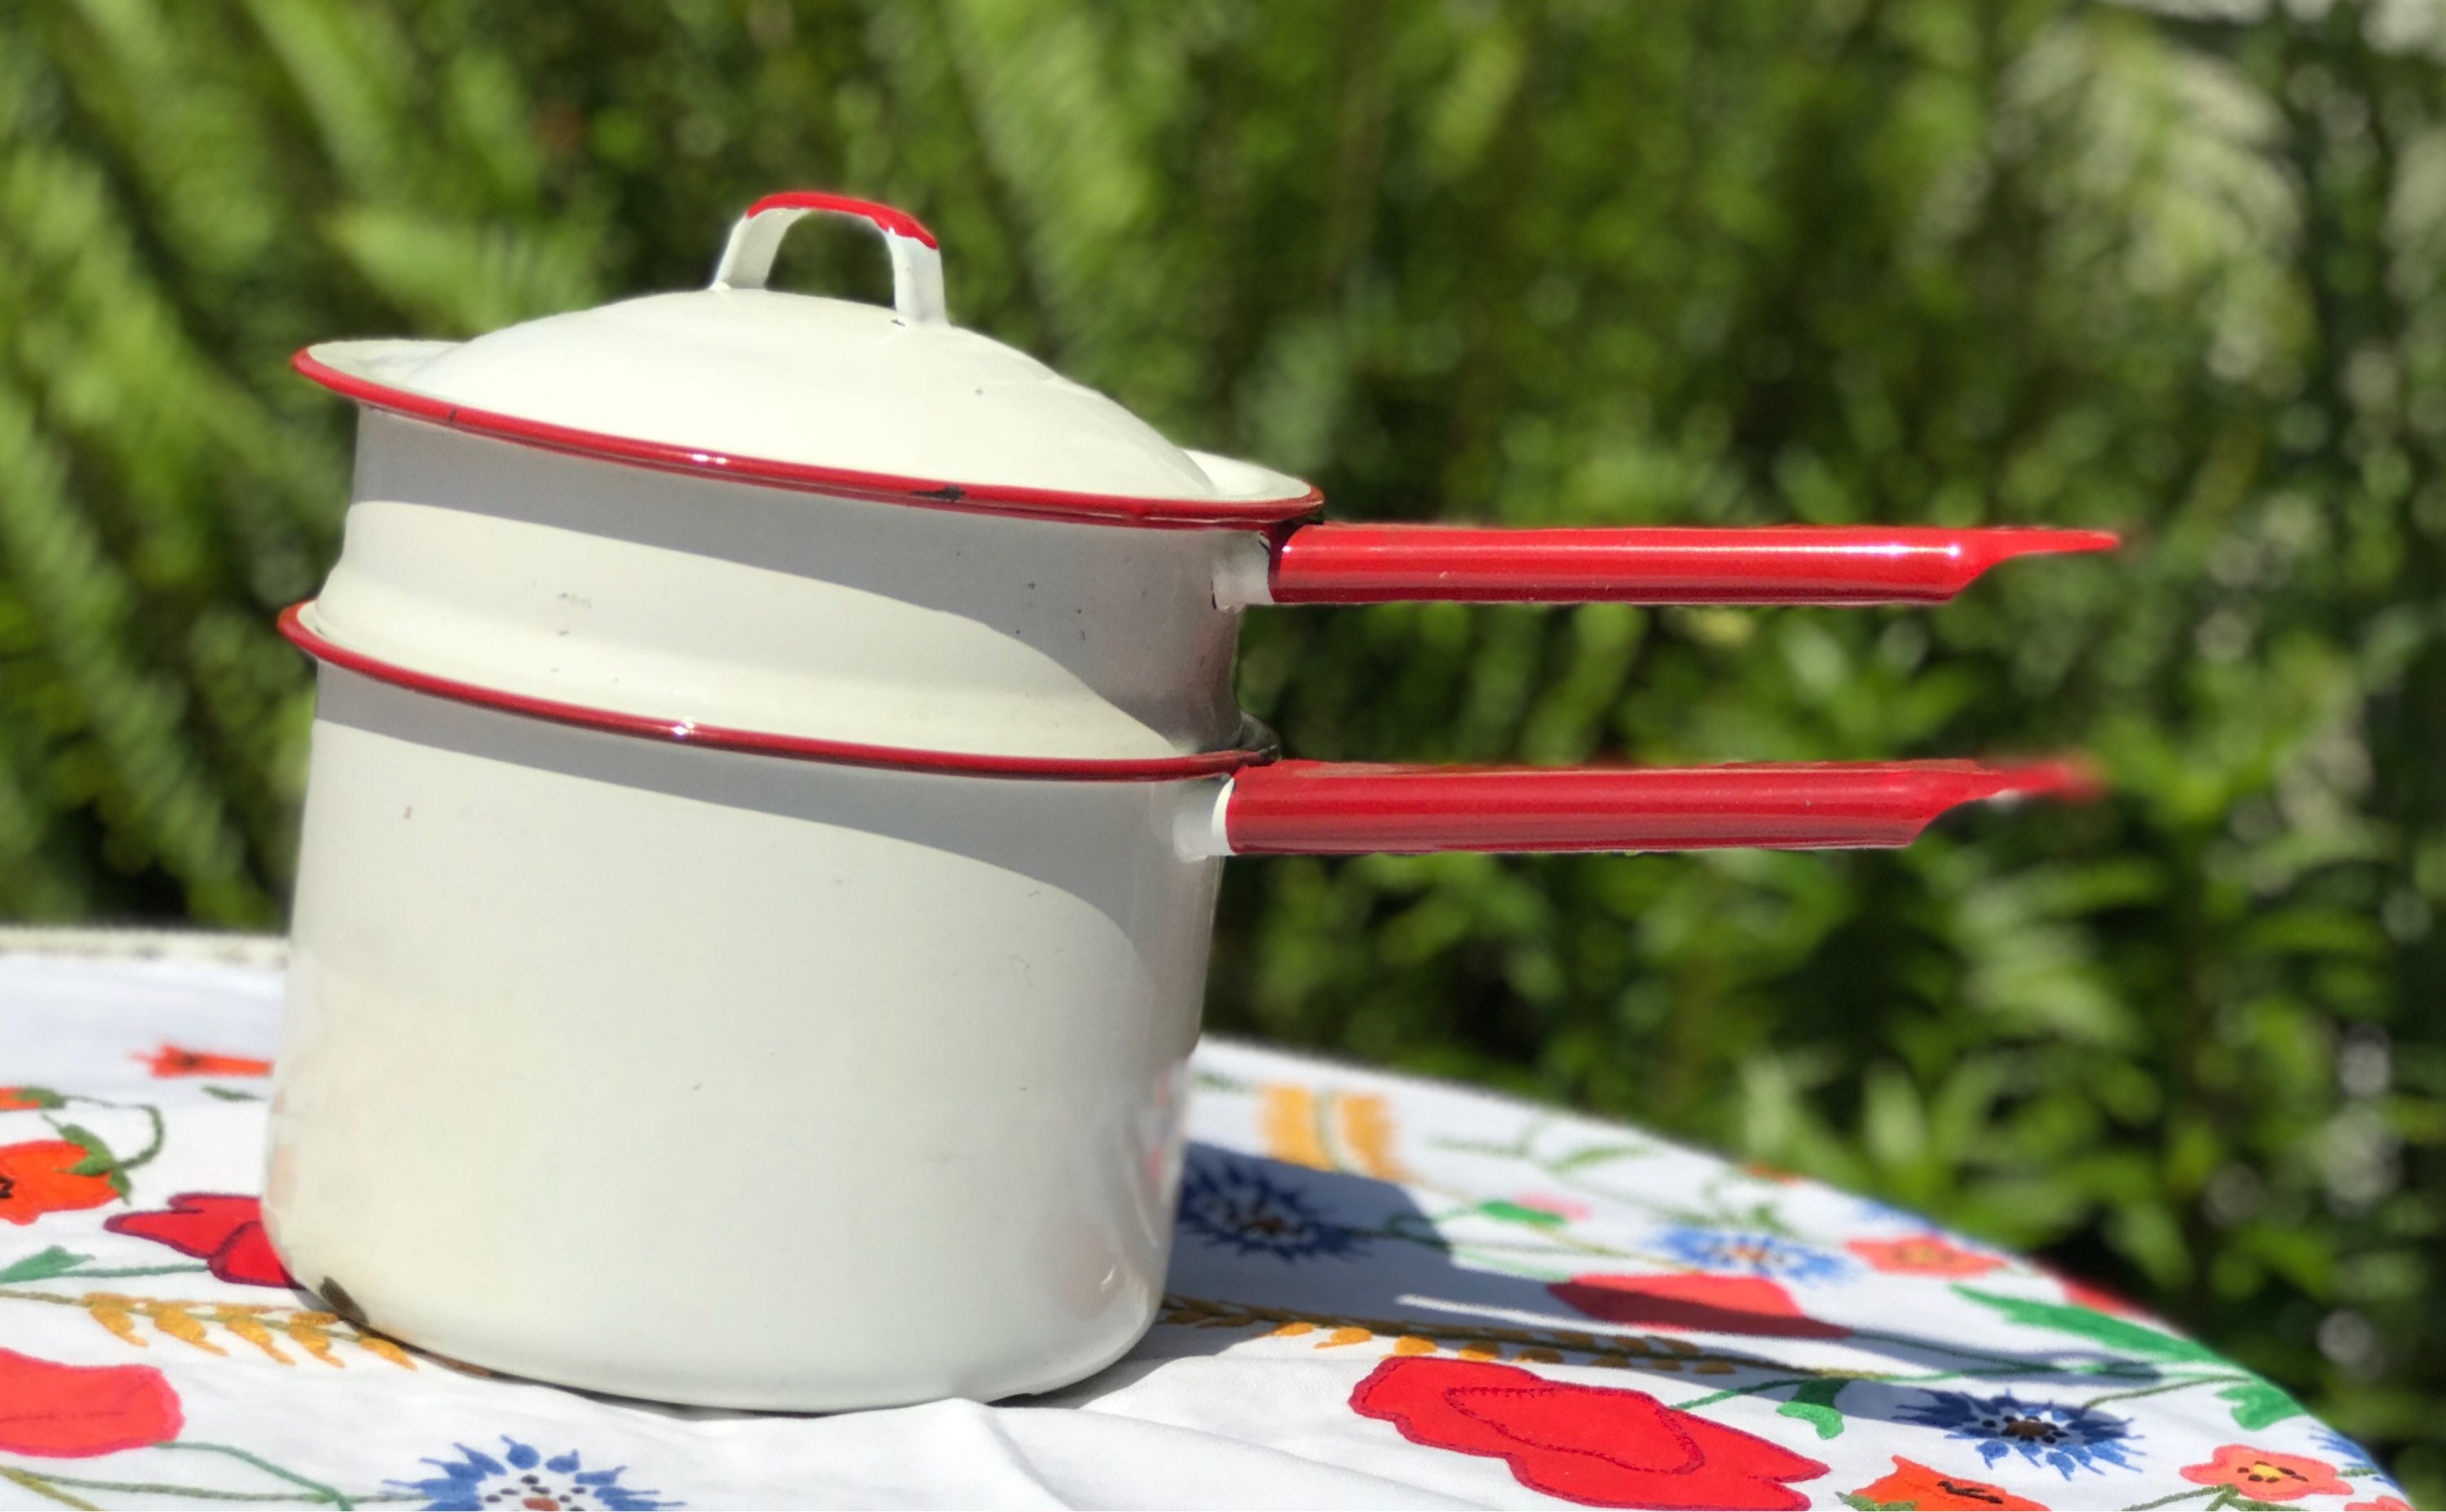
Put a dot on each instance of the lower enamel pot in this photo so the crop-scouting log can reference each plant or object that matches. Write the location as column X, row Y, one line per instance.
column 695, row 1066
column 730, row 1079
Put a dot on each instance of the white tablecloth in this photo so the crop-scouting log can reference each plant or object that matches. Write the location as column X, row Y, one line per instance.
column 1385, row 1293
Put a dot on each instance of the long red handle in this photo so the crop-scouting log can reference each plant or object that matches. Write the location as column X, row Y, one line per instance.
column 1776, row 563
column 1324, row 808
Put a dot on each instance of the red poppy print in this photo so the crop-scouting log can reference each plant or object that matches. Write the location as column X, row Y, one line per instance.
column 2384, row 1503
column 2098, row 1298
column 1593, row 1444
column 1915, row 1485
column 1545, row 1202
column 73, row 1412
column 1708, row 1304
column 14, row 1098
column 41, row 1177
column 1923, row 1255
column 2268, row 1476
column 225, row 1232
column 172, row 1061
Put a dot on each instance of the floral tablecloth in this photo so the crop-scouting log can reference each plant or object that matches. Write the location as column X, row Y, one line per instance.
column 1385, row 1294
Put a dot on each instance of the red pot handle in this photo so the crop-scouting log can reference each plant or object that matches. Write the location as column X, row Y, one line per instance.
column 1323, row 808
column 1778, row 564
column 917, row 258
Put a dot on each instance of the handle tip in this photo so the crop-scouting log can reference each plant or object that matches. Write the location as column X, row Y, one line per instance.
column 2053, row 541
column 2074, row 778
column 2003, row 543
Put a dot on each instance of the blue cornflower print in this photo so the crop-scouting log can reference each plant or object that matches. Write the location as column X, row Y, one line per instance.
column 2356, row 1458
column 1235, row 1203
column 2066, row 1436
column 2341, row 1447
column 1877, row 1212
column 1736, row 1253
column 522, row 1480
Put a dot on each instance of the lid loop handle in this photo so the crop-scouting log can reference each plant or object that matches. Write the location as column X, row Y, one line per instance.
column 916, row 259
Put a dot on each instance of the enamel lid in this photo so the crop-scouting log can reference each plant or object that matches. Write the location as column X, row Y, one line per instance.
column 813, row 393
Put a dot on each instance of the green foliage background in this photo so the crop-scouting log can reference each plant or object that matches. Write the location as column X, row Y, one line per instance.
column 1683, row 260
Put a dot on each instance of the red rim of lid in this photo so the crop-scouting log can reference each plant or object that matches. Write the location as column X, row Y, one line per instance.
column 808, row 478
column 1259, row 747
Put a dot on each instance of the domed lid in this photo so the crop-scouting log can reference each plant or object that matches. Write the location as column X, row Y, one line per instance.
column 814, row 393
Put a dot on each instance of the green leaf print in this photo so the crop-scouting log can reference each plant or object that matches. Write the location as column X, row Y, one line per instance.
column 49, row 1262
column 2089, row 1324
column 1814, row 1404
column 2257, row 1404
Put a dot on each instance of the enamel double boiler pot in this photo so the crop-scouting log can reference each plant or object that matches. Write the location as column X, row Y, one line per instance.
column 773, row 761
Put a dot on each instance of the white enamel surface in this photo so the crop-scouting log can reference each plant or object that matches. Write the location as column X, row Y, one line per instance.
column 793, row 378
column 1203, row 830
column 747, row 371
column 725, row 602
column 596, row 1047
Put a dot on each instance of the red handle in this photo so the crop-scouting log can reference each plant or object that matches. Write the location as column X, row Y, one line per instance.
column 887, row 219
column 1781, row 563
column 916, row 261
column 1321, row 807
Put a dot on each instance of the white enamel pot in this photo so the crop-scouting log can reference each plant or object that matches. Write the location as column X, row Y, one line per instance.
column 755, row 510
column 700, row 1069
column 773, row 764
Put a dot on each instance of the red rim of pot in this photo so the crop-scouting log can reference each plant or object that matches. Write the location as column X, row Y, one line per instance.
column 807, row 478
column 1258, row 746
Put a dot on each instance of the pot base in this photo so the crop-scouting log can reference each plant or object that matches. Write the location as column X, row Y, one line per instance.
column 476, row 1349
column 725, row 1079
